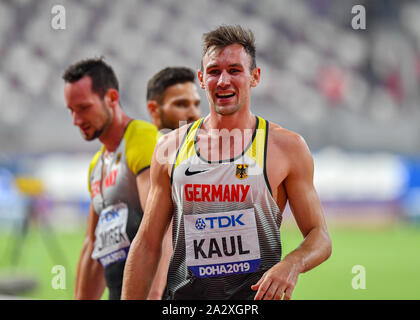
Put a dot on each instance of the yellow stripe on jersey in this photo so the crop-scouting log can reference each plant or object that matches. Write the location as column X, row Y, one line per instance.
column 93, row 164
column 256, row 151
column 140, row 141
column 187, row 149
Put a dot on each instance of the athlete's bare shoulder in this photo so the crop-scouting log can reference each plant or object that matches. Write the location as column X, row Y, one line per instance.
column 284, row 139
column 168, row 144
column 173, row 139
column 288, row 146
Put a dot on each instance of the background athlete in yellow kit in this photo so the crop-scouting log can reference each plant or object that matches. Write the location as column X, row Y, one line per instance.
column 284, row 173
column 118, row 175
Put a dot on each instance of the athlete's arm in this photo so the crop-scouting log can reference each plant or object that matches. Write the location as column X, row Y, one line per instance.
column 143, row 186
column 307, row 210
column 145, row 250
column 158, row 286
column 159, row 283
column 90, row 280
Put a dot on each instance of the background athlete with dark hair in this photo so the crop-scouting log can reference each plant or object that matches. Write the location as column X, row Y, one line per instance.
column 172, row 97
column 118, row 175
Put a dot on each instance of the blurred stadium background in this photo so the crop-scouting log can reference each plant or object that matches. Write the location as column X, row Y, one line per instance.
column 352, row 94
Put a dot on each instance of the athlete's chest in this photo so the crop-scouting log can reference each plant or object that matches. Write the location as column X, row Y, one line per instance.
column 111, row 180
column 107, row 173
column 239, row 181
column 222, row 145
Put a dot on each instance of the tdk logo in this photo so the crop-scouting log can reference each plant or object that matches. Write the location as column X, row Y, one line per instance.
column 200, row 224
column 110, row 215
column 219, row 222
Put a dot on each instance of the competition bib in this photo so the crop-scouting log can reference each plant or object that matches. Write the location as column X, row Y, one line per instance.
column 112, row 243
column 220, row 244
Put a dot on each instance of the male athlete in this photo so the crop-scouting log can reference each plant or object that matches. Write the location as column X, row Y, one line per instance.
column 172, row 98
column 119, row 178
column 225, row 180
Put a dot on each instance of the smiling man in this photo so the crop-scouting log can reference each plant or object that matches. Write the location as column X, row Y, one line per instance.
column 118, row 175
column 226, row 185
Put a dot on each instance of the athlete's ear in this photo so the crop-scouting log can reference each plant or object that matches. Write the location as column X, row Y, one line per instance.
column 112, row 97
column 154, row 110
column 200, row 78
column 255, row 77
